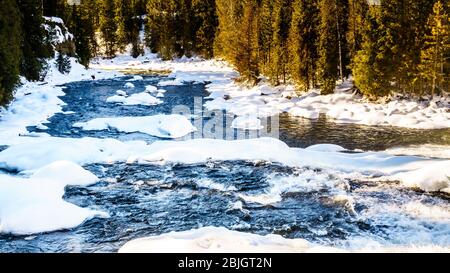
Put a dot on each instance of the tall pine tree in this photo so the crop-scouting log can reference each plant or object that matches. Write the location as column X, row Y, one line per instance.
column 36, row 47
column 434, row 68
column 10, row 36
column 302, row 43
column 108, row 26
column 332, row 43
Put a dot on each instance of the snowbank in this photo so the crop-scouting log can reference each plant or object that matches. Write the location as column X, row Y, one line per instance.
column 247, row 123
column 163, row 126
column 35, row 102
column 219, row 240
column 433, row 176
column 341, row 107
column 135, row 99
column 427, row 150
column 222, row 240
column 433, row 173
column 34, row 153
column 34, row 205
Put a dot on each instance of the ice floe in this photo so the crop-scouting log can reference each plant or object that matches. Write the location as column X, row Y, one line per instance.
column 163, row 126
column 129, row 85
column 35, row 102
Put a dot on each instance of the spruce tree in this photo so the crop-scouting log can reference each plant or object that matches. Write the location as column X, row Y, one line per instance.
column 246, row 59
column 126, row 21
column 10, row 37
column 108, row 27
column 80, row 26
column 367, row 65
column 402, row 24
column 302, row 43
column 205, row 24
column 229, row 14
column 435, row 55
column 265, row 35
column 278, row 71
column 36, row 47
column 357, row 16
column 63, row 63
column 332, row 45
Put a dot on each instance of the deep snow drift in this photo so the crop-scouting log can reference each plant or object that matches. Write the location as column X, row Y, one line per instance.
column 163, row 126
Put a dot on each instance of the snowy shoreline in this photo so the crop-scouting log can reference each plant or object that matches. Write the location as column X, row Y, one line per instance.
column 265, row 100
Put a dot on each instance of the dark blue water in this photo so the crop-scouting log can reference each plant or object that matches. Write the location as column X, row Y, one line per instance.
column 145, row 200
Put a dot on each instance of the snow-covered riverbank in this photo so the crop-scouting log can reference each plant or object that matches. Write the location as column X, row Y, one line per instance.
column 35, row 102
column 264, row 100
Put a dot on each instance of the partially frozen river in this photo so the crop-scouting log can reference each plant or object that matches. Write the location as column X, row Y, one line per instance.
column 258, row 197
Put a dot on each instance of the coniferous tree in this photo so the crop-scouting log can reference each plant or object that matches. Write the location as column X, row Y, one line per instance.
column 434, row 68
column 108, row 26
column 81, row 27
column 367, row 66
column 278, row 71
column 332, row 43
column 205, row 23
column 36, row 47
column 126, row 21
column 402, row 36
column 229, row 13
column 10, row 35
column 357, row 19
column 265, row 35
column 162, row 32
column 302, row 43
column 246, row 58
column 63, row 63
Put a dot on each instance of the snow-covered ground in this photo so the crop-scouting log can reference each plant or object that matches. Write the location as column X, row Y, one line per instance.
column 222, row 240
column 35, row 204
column 35, row 102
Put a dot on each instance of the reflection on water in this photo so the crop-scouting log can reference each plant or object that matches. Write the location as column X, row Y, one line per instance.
column 300, row 132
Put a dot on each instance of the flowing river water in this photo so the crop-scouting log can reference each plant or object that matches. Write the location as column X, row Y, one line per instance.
column 255, row 197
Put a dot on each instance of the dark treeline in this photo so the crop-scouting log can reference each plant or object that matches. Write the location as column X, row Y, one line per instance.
column 392, row 46
column 386, row 45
